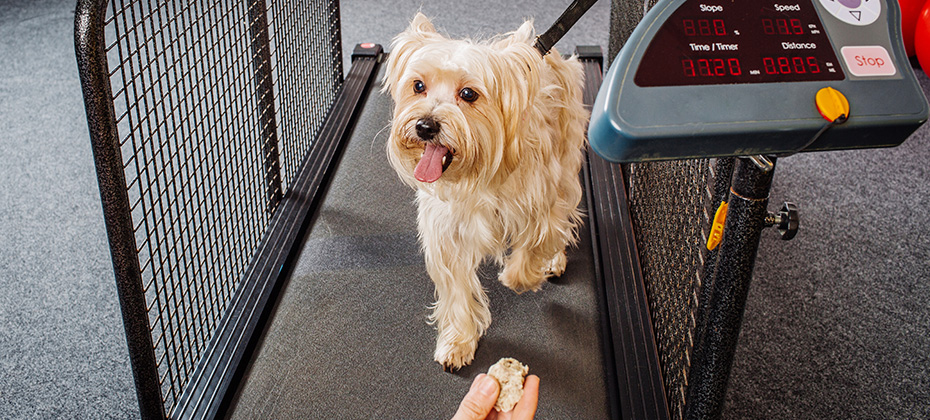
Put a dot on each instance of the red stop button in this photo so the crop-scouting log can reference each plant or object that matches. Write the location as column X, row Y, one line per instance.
column 868, row 61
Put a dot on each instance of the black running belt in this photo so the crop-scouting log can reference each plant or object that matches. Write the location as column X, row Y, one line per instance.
column 565, row 22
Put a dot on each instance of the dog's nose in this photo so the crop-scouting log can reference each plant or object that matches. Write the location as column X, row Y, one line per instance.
column 427, row 128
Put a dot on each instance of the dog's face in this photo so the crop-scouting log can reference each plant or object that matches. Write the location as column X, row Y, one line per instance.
column 457, row 104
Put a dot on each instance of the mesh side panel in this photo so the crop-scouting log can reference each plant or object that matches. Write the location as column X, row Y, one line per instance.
column 189, row 117
column 670, row 203
column 307, row 71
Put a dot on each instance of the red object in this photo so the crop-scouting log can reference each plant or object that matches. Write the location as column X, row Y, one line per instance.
column 922, row 37
column 910, row 11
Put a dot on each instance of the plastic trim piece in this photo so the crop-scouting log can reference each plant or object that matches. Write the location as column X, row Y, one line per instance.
column 635, row 385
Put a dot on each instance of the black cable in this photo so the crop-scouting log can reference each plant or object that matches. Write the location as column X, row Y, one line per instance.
column 839, row 120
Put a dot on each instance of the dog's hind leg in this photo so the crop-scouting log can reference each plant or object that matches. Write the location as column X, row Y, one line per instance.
column 526, row 269
column 538, row 256
column 556, row 266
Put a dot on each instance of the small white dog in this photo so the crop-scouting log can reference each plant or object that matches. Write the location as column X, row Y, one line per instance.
column 490, row 134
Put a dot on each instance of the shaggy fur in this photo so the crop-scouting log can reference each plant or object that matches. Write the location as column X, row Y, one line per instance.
column 512, row 122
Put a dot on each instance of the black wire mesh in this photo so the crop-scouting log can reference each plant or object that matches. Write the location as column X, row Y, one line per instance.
column 307, row 69
column 671, row 204
column 209, row 143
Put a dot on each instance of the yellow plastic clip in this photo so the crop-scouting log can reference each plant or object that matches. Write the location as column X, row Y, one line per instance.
column 716, row 230
column 832, row 104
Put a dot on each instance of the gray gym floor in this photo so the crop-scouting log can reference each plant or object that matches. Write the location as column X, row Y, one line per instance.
column 836, row 325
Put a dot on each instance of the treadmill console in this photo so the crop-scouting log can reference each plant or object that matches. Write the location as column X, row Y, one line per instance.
column 707, row 78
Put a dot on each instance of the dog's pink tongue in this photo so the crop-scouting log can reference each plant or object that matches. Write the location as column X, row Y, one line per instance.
column 430, row 167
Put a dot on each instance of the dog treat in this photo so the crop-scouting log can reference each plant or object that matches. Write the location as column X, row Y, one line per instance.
column 509, row 373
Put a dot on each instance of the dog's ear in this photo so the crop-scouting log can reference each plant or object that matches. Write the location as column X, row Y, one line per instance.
column 526, row 33
column 404, row 44
column 517, row 48
column 421, row 24
column 518, row 65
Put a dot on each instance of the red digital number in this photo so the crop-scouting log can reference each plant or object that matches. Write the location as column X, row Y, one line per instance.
column 782, row 25
column 704, row 67
column 769, row 64
column 719, row 28
column 716, row 67
column 711, row 67
column 688, row 24
column 767, row 27
column 812, row 65
column 798, row 64
column 688, row 67
column 784, row 65
column 790, row 65
column 704, row 27
column 733, row 63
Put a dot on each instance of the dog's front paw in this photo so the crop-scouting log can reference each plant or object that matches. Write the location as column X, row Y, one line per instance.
column 454, row 356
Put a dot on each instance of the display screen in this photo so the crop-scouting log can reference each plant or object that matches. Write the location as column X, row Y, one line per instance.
column 714, row 42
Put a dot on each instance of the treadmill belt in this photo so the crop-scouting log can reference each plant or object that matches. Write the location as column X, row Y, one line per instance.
column 348, row 338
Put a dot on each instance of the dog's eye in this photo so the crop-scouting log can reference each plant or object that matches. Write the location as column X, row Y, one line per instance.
column 468, row 95
column 419, row 86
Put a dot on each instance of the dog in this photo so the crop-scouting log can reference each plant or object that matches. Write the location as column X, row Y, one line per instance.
column 490, row 134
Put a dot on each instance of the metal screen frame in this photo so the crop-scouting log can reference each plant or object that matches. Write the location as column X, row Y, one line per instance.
column 694, row 297
column 670, row 205
column 215, row 129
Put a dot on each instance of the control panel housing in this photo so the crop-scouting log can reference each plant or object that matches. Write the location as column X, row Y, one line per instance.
column 712, row 78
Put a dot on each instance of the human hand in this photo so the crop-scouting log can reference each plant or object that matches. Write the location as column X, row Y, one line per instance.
column 478, row 404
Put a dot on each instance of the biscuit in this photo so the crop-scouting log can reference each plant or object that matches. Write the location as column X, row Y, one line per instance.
column 509, row 374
